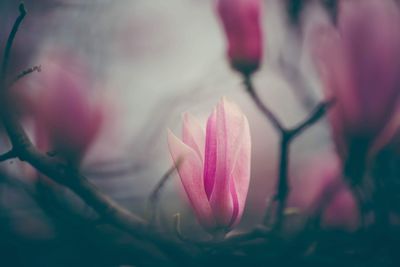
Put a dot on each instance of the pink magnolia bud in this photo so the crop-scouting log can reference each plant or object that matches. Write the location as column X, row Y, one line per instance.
column 241, row 22
column 215, row 167
column 67, row 121
column 360, row 67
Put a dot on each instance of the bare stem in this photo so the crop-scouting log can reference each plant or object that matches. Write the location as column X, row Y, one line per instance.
column 287, row 135
column 10, row 41
column 154, row 197
column 263, row 108
column 8, row 155
column 318, row 112
column 25, row 73
column 282, row 185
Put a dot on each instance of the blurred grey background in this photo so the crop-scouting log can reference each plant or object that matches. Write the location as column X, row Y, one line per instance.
column 153, row 60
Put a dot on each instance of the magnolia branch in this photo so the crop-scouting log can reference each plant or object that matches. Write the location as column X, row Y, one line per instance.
column 287, row 135
column 25, row 73
column 260, row 105
column 10, row 40
column 8, row 155
column 23, row 149
column 154, row 197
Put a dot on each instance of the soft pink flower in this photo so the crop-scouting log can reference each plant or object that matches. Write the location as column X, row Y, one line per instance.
column 241, row 22
column 339, row 206
column 360, row 67
column 215, row 166
column 66, row 120
column 320, row 190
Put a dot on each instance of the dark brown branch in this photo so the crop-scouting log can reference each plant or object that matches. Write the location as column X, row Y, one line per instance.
column 318, row 112
column 263, row 108
column 25, row 151
column 10, row 41
column 154, row 197
column 282, row 185
column 109, row 210
column 8, row 155
column 25, row 73
column 52, row 201
column 282, row 190
column 286, row 137
column 62, row 174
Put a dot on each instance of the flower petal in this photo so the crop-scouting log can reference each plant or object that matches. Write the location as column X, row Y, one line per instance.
column 240, row 175
column 370, row 34
column 189, row 168
column 336, row 75
column 210, row 161
column 229, row 126
column 241, row 22
column 193, row 134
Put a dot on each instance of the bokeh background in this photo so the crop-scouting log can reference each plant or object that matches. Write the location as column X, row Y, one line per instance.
column 149, row 61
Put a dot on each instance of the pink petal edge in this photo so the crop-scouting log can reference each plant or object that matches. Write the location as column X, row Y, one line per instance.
column 190, row 171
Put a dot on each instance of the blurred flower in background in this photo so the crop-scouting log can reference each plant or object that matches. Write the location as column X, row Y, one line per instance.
column 66, row 120
column 360, row 65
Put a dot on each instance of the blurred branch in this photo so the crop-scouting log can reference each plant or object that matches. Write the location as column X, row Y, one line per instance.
column 63, row 174
column 69, row 219
column 263, row 108
column 154, row 197
column 8, row 155
column 25, row 73
column 287, row 135
column 10, row 41
column 315, row 115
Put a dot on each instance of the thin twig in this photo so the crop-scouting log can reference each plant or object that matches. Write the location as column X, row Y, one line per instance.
column 286, row 137
column 154, row 197
column 318, row 112
column 263, row 108
column 25, row 73
column 177, row 228
column 10, row 41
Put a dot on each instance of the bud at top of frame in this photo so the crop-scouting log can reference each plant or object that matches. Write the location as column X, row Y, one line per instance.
column 241, row 22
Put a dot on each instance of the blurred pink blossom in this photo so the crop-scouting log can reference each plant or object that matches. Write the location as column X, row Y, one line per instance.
column 67, row 122
column 241, row 22
column 215, row 166
column 360, row 66
column 321, row 191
